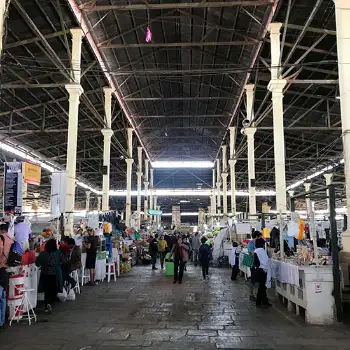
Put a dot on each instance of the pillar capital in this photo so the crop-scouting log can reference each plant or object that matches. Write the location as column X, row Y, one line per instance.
column 277, row 85
column 107, row 133
column 87, row 193
column 329, row 178
column 77, row 33
column 275, row 28
column 307, row 186
column 146, row 183
column 139, row 173
column 343, row 4
column 107, row 90
column 249, row 87
column 232, row 162
column 291, row 193
column 74, row 89
column 250, row 131
column 224, row 175
column 129, row 161
column 218, row 184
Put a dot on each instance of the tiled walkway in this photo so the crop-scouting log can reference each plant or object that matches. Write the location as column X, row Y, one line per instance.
column 145, row 310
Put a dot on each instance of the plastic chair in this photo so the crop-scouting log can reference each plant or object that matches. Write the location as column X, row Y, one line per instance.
column 75, row 276
column 25, row 307
column 84, row 277
column 111, row 271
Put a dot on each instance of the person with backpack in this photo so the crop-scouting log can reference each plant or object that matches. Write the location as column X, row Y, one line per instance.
column 204, row 257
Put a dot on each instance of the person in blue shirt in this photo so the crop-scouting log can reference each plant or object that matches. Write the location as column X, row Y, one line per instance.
column 251, row 247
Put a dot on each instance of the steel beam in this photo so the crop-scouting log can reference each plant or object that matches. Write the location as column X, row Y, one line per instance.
column 312, row 29
column 35, row 40
column 314, row 81
column 179, row 44
column 31, row 86
column 184, row 5
column 179, row 98
column 182, row 116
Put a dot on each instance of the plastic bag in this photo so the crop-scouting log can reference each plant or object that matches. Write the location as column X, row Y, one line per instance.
column 62, row 296
column 71, row 295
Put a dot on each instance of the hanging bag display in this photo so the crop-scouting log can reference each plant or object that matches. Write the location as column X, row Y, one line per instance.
column 248, row 260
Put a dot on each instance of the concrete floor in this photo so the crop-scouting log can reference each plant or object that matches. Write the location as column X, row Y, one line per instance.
column 145, row 310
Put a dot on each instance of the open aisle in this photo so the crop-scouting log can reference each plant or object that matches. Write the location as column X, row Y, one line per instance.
column 145, row 310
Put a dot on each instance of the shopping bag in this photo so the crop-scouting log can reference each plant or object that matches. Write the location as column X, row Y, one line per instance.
column 248, row 260
column 62, row 296
column 71, row 295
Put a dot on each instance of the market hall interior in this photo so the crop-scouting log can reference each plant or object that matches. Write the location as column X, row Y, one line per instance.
column 125, row 122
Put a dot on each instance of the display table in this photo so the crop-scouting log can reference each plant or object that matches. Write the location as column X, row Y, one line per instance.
column 309, row 287
column 100, row 269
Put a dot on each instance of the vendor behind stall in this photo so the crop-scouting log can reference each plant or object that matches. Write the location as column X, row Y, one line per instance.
column 5, row 246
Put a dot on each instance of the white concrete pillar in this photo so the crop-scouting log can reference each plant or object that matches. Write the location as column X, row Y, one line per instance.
column 146, row 183
column 155, row 206
column 99, row 202
column 3, row 8
column 107, row 133
column 251, row 170
column 224, row 179
column 139, row 184
column 87, row 201
column 75, row 90
column 276, row 86
column 151, row 183
column 232, row 163
column 218, row 187
column 129, row 162
column 342, row 16
column 250, row 101
column 329, row 178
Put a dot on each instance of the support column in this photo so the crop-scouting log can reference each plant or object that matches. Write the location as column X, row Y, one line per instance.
column 218, row 187
column 146, row 183
column 151, row 192
column 224, row 179
column 329, row 178
column 3, row 8
column 139, row 184
column 129, row 162
column 155, row 200
column 99, row 201
column 232, row 163
column 342, row 16
column 74, row 90
column 87, row 201
column 107, row 135
column 276, row 86
column 251, row 170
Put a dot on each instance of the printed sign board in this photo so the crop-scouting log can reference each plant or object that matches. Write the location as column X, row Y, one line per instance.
column 12, row 190
column 155, row 212
column 32, row 173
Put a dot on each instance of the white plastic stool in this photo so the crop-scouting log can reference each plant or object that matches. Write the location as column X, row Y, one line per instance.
column 26, row 306
column 84, row 277
column 75, row 276
column 111, row 272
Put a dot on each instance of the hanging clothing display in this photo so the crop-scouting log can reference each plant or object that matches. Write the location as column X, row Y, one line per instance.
column 274, row 237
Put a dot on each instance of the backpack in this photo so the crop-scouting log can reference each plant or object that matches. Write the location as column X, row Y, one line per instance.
column 15, row 255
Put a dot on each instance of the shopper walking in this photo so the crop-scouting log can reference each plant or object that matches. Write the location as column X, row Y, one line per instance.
column 196, row 243
column 153, row 251
column 51, row 274
column 162, row 247
column 261, row 266
column 180, row 254
column 251, row 248
column 204, row 255
column 235, row 260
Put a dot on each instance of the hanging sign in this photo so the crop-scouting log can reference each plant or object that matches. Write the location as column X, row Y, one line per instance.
column 155, row 212
column 32, row 173
column 318, row 287
column 13, row 188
